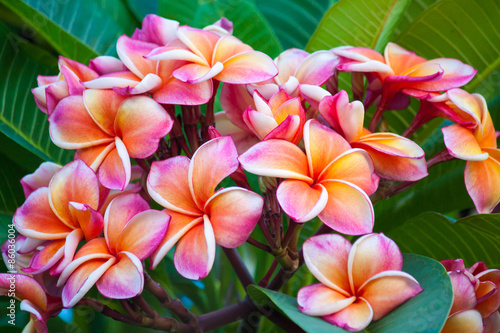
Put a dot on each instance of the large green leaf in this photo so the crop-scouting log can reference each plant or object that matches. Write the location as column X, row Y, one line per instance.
column 11, row 191
column 121, row 14
column 20, row 119
column 76, row 29
column 473, row 238
column 142, row 8
column 358, row 23
column 293, row 20
column 426, row 312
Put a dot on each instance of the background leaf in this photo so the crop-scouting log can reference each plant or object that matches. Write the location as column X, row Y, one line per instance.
column 426, row 312
column 473, row 238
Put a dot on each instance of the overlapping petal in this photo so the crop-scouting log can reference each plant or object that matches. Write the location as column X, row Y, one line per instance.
column 353, row 318
column 482, row 180
column 124, row 279
column 319, row 300
column 301, row 201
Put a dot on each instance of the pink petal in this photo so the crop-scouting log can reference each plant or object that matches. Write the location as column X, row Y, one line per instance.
column 89, row 220
column 489, row 305
column 301, row 201
column 131, row 52
column 401, row 59
column 241, row 138
column 46, row 258
column 71, row 126
column 179, row 225
column 122, row 79
column 211, row 163
column 276, row 158
column 40, row 178
column 234, row 213
column 102, row 105
column 195, row 251
column 482, row 180
column 456, row 74
column 319, row 300
column 288, row 62
column 348, row 210
column 115, row 170
column 227, row 47
column 370, row 255
column 247, row 67
column 94, row 156
column 322, row 145
column 72, row 242
column 464, row 296
column 468, row 321
column 317, row 68
column 201, row 42
column 353, row 318
column 156, row 29
column 151, row 82
column 326, row 257
column 195, row 73
column 106, row 64
column 26, row 288
column 290, row 130
column 124, row 279
column 175, row 91
column 492, row 323
column 388, row 290
column 462, row 144
column 235, row 99
column 259, row 123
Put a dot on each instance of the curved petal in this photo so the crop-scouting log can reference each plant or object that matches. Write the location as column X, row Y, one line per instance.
column 233, row 213
column 276, row 158
column 93, row 156
column 248, row 67
column 179, row 225
column 195, row 73
column 326, row 257
column 259, row 123
column 119, row 212
column 301, row 201
column 401, row 59
column 370, row 255
column 195, row 252
column 482, row 180
column 35, row 218
column 317, row 68
column 319, row 300
column 348, row 210
column 201, row 42
column 124, row 279
column 354, row 166
column 241, row 138
column 156, row 29
column 290, row 130
column 489, row 305
column 355, row 317
column 132, row 52
column 174, row 91
column 322, row 145
column 168, row 185
column 462, row 144
column 115, row 170
column 464, row 296
column 235, row 99
column 26, row 288
column 46, row 258
column 151, row 82
column 468, row 321
column 89, row 220
column 102, row 105
column 455, row 74
column 211, row 163
column 227, row 47
column 143, row 233
column 492, row 323
column 141, row 123
column 84, row 278
column 105, row 65
column 40, row 178
column 71, row 126
column 70, row 246
column 388, row 290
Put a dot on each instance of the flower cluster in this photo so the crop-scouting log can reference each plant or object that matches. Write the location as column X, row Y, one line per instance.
column 140, row 135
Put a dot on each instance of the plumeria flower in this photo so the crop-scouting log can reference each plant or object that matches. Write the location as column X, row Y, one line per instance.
column 33, row 300
column 51, row 89
column 201, row 216
column 330, row 180
column 357, row 283
column 478, row 147
column 394, row 157
column 107, row 129
column 132, row 232
column 61, row 214
column 475, row 298
column 298, row 68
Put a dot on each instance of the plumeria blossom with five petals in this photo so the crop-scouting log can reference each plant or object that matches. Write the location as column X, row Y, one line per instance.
column 358, row 283
column 201, row 216
column 330, row 180
column 476, row 298
column 477, row 146
column 107, row 129
column 394, row 157
column 132, row 231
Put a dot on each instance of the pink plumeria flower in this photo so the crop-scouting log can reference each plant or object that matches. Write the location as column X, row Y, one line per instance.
column 296, row 69
column 33, row 300
column 475, row 298
column 201, row 216
column 394, row 157
column 478, row 147
column 61, row 215
column 357, row 283
column 51, row 89
column 132, row 232
column 330, row 180
column 107, row 129
column 400, row 69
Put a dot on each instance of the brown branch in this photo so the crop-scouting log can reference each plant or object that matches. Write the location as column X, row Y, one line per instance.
column 259, row 245
column 239, row 267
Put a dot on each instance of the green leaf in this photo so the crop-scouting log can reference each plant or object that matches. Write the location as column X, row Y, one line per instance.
column 426, row 312
column 474, row 238
column 120, row 13
column 141, row 8
column 358, row 23
column 181, row 11
column 76, row 29
column 11, row 191
column 294, row 21
column 411, row 13
column 20, row 119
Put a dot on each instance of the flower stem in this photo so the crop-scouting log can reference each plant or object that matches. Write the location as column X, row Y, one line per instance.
column 239, row 267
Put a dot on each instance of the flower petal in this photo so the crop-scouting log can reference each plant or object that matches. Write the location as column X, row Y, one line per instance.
column 248, row 67
column 156, row 29
column 195, row 252
column 124, row 279
column 464, row 296
column 462, row 144
column 174, row 91
column 102, row 105
column 482, row 180
column 211, row 163
column 115, row 170
column 319, row 300
column 326, row 257
column 241, row 138
column 348, row 210
column 132, row 52
column 489, row 305
column 89, row 220
column 47, row 257
column 370, row 255
column 276, row 158
column 70, row 246
column 468, row 321
column 106, row 64
column 233, row 212
column 26, row 288
column 301, row 201
column 353, row 318
column 40, row 178
column 317, row 68
column 388, row 290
